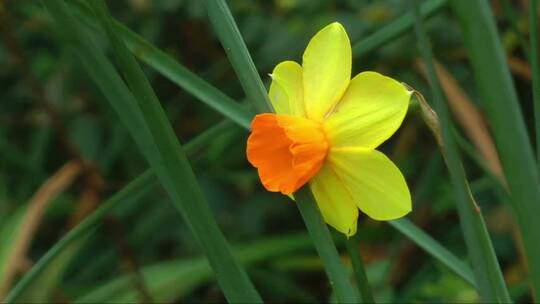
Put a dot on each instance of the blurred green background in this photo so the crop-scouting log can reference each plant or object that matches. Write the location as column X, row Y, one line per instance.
column 63, row 151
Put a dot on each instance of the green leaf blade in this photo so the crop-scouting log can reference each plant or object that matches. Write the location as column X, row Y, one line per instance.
column 488, row 275
column 499, row 99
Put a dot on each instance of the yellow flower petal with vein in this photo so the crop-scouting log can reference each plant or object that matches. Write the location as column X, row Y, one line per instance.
column 287, row 90
column 371, row 110
column 335, row 202
column 377, row 186
column 327, row 70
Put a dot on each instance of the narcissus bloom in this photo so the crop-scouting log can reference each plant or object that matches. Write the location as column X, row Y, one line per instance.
column 325, row 131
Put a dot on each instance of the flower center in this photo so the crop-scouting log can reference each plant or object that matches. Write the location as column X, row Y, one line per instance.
column 287, row 150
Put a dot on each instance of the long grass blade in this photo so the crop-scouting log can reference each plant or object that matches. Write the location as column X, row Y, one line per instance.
column 172, row 280
column 176, row 175
column 142, row 184
column 184, row 78
column 335, row 270
column 238, row 54
column 488, row 275
column 359, row 269
column 500, row 101
column 171, row 69
column 395, row 28
column 150, row 129
column 133, row 189
column 434, row 248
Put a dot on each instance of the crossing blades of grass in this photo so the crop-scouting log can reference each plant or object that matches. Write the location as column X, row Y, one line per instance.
column 434, row 248
column 322, row 239
column 173, row 70
column 499, row 99
column 238, row 54
column 149, row 127
column 395, row 28
column 135, row 188
column 175, row 173
column 170, row 281
column 488, row 275
column 181, row 76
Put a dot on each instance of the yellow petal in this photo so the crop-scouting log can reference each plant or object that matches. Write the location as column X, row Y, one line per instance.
column 336, row 204
column 327, row 70
column 377, row 186
column 287, row 91
column 371, row 110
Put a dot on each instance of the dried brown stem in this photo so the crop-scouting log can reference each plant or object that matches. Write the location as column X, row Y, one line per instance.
column 469, row 118
column 39, row 202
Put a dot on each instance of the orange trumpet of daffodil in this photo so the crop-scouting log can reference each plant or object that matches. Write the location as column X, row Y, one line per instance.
column 325, row 131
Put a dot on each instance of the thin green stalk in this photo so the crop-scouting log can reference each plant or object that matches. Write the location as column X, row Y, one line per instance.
column 500, row 101
column 140, row 185
column 472, row 153
column 176, row 175
column 488, row 275
column 175, row 280
column 135, row 188
column 171, row 69
column 238, row 54
column 535, row 67
column 335, row 270
column 431, row 246
column 359, row 270
column 184, row 78
column 161, row 148
column 395, row 28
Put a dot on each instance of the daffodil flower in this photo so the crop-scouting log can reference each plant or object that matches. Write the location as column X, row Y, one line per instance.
column 325, row 131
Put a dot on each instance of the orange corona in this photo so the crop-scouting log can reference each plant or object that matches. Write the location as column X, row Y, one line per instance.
column 287, row 150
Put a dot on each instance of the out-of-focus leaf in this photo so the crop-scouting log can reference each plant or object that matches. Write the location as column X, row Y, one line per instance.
column 44, row 287
column 170, row 281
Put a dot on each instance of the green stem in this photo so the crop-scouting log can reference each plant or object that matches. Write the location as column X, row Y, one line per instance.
column 135, row 188
column 362, row 282
column 500, row 102
column 238, row 54
column 488, row 275
column 426, row 242
column 335, row 270
column 140, row 185
column 175, row 173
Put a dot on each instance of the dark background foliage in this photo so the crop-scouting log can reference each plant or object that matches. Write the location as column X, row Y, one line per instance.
column 51, row 115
